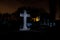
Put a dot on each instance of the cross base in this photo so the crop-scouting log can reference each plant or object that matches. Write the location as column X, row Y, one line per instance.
column 25, row 29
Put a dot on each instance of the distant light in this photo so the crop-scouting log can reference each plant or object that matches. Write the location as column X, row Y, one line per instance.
column 36, row 19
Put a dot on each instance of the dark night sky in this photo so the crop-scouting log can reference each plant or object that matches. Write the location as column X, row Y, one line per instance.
column 10, row 6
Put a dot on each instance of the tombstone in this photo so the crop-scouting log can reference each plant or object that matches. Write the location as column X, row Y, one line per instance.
column 25, row 15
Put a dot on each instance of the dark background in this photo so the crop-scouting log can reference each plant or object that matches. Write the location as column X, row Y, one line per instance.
column 10, row 6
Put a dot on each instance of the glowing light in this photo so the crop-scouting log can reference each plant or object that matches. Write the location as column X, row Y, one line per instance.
column 36, row 19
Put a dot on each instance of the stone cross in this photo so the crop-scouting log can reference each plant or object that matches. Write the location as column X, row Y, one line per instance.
column 25, row 15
